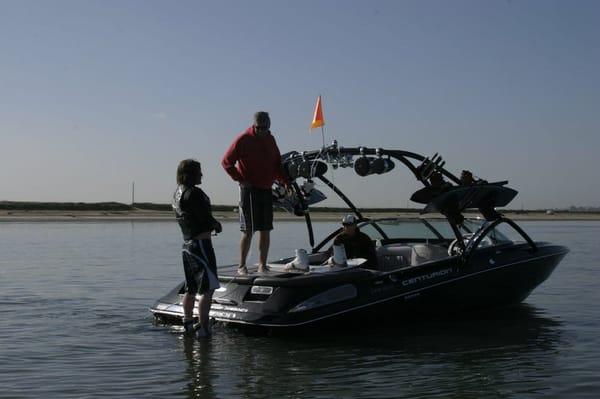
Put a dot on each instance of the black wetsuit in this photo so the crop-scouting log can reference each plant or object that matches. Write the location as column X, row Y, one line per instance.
column 192, row 211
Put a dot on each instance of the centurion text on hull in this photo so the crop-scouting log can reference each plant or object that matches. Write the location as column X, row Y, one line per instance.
column 422, row 264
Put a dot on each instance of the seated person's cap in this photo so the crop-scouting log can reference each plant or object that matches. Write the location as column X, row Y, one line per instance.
column 349, row 219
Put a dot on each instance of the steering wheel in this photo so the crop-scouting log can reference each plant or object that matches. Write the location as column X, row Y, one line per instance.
column 455, row 249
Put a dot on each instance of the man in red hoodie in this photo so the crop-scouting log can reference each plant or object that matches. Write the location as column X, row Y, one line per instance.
column 254, row 161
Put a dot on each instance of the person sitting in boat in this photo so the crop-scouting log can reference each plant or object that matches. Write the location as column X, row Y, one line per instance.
column 356, row 243
column 466, row 178
column 437, row 181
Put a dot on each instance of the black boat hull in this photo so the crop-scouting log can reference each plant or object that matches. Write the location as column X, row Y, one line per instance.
column 494, row 277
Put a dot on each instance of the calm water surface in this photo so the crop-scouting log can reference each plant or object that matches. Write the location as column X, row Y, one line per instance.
column 74, row 323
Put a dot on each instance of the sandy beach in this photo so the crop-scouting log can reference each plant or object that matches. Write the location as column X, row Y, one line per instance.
column 149, row 215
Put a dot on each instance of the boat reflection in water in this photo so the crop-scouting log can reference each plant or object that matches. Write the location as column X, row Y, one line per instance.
column 443, row 264
column 512, row 349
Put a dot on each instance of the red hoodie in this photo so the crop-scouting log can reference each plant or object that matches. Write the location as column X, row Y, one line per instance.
column 254, row 160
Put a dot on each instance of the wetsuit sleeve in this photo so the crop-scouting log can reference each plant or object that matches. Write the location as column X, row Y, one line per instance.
column 229, row 160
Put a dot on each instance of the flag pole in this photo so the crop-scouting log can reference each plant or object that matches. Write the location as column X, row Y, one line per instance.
column 323, row 125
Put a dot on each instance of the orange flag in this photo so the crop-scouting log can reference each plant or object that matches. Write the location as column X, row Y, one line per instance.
column 318, row 120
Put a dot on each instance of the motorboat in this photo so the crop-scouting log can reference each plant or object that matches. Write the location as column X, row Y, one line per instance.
column 436, row 261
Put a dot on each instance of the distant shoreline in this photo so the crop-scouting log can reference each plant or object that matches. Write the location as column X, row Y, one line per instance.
column 160, row 215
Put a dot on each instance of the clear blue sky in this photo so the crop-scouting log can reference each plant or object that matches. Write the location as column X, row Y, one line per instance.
column 97, row 94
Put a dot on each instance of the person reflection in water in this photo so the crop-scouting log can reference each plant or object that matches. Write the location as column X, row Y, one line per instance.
column 193, row 213
column 200, row 377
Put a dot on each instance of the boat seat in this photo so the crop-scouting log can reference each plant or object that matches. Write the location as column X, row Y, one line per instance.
column 422, row 253
column 392, row 257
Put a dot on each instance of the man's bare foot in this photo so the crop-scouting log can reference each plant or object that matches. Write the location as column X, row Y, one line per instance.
column 263, row 268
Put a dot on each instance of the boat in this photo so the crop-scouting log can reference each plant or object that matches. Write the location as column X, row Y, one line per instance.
column 437, row 261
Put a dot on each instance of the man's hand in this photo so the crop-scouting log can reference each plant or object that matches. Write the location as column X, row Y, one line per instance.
column 217, row 227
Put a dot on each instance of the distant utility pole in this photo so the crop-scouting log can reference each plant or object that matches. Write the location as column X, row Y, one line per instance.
column 132, row 193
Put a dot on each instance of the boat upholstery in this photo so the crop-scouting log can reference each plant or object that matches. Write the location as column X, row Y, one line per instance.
column 422, row 253
column 394, row 256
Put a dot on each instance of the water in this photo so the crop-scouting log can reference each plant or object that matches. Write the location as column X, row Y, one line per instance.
column 74, row 323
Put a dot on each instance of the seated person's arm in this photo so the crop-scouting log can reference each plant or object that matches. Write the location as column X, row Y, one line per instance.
column 368, row 252
column 372, row 258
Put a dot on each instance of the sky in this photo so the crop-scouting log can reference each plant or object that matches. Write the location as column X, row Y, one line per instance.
column 95, row 95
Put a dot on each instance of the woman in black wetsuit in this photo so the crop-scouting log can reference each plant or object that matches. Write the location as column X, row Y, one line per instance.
column 193, row 213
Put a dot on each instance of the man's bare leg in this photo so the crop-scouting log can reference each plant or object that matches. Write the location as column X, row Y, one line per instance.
column 188, row 311
column 245, row 243
column 264, row 240
column 204, row 310
column 188, row 306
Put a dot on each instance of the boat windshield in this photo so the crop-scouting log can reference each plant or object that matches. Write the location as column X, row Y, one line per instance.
column 498, row 234
column 423, row 229
column 404, row 229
